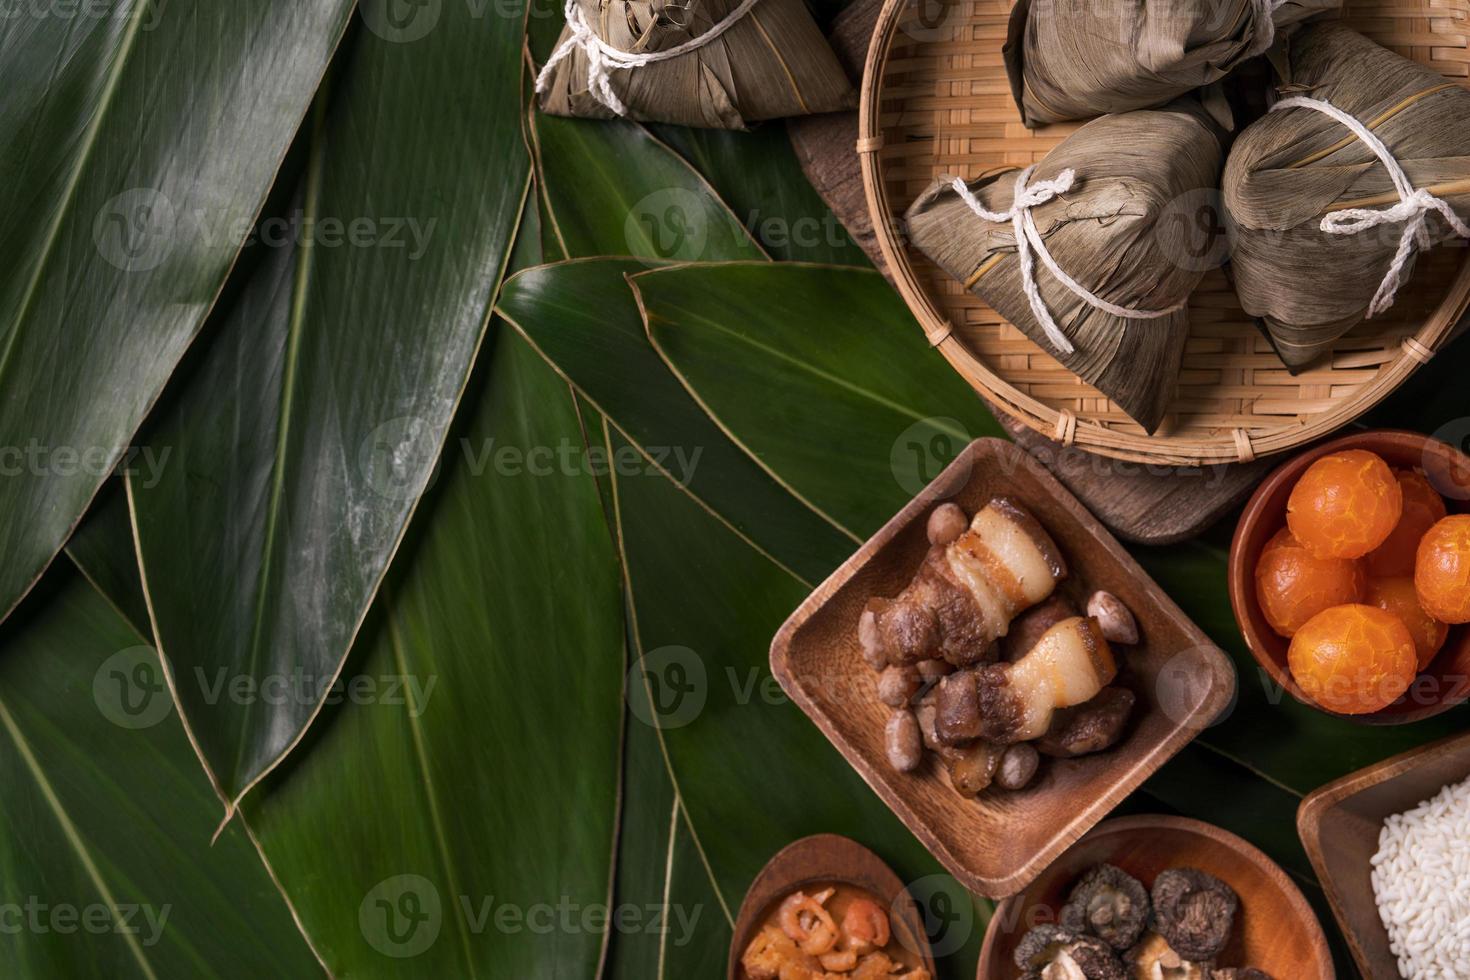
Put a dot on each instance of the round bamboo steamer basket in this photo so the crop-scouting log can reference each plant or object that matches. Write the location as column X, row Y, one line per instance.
column 936, row 100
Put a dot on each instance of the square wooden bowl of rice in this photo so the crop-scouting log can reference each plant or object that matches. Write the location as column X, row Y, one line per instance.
column 1416, row 865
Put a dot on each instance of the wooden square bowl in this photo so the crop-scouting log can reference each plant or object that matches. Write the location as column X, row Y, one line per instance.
column 997, row 844
column 1446, row 681
column 1275, row 930
column 1339, row 826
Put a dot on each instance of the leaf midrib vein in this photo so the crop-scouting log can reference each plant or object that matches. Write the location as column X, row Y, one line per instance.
column 69, row 831
column 421, row 754
column 304, row 265
column 803, row 366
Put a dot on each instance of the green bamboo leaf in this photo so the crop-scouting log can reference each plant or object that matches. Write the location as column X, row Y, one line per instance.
column 660, row 867
column 102, row 548
column 543, row 27
column 440, row 836
column 613, row 189
column 758, row 175
column 705, row 605
column 108, row 869
column 582, row 317
column 128, row 189
column 821, row 374
column 305, row 436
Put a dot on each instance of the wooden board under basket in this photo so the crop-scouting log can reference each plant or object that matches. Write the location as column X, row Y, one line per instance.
column 936, row 99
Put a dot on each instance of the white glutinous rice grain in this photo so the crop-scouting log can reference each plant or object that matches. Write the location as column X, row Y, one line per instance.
column 1422, row 887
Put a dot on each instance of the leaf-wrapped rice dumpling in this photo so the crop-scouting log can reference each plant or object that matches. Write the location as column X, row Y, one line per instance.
column 1075, row 59
column 1102, row 211
column 718, row 64
column 1324, row 225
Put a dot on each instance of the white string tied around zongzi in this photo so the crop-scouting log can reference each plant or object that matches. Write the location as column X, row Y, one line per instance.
column 1030, row 245
column 1265, row 21
column 1414, row 207
column 603, row 58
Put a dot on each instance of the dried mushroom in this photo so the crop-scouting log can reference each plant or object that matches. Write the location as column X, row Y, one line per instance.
column 1249, row 973
column 1053, row 953
column 1108, row 903
column 974, row 769
column 1194, row 912
column 1154, row 959
column 1095, row 960
column 1089, row 727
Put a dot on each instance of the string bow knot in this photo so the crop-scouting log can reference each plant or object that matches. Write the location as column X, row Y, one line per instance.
column 603, row 59
column 1414, row 206
column 1031, row 246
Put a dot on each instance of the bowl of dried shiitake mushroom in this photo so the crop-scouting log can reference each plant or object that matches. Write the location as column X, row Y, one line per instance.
column 998, row 668
column 1157, row 898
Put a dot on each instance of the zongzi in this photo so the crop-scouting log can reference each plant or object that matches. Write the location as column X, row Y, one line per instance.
column 719, row 64
column 1080, row 251
column 1332, row 194
column 1069, row 59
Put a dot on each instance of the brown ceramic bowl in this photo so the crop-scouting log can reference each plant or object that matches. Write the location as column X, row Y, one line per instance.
column 1446, row 682
column 1276, row 930
column 829, row 859
column 996, row 844
column 1339, row 826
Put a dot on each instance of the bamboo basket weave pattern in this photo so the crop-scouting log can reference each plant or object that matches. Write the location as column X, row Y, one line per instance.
column 936, row 100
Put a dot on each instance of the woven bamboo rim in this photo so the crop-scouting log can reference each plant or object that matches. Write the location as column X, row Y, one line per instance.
column 935, row 99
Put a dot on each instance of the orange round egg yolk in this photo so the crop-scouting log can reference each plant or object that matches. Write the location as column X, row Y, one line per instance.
column 1292, row 585
column 1345, row 505
column 1442, row 570
column 1423, row 506
column 1353, row 659
column 1397, row 596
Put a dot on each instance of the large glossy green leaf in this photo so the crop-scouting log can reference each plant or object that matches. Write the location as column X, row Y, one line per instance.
column 582, row 317
column 820, row 372
column 303, row 439
column 106, row 865
column 138, row 139
column 752, row 771
column 102, row 547
column 449, row 836
column 660, row 866
column 613, row 189
column 758, row 175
